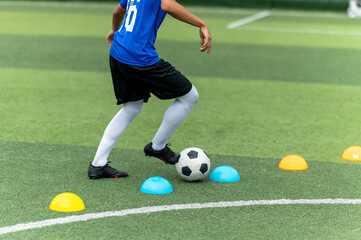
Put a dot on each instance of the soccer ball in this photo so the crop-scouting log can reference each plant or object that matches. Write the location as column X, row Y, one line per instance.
column 193, row 164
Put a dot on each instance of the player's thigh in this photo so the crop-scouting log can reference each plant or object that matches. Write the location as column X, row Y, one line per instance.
column 125, row 89
column 164, row 81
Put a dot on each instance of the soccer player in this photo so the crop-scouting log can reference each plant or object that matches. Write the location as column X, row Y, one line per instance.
column 353, row 9
column 137, row 71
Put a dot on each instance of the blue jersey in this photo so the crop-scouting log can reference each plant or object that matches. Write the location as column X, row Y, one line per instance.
column 133, row 43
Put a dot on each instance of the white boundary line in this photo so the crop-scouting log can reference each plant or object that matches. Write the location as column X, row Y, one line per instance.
column 302, row 30
column 249, row 19
column 153, row 209
column 280, row 13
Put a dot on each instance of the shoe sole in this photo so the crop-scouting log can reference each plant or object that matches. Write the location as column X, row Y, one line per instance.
column 96, row 177
column 149, row 155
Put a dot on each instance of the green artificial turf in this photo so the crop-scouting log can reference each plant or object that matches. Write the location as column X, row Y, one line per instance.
column 233, row 117
column 46, row 170
column 264, row 94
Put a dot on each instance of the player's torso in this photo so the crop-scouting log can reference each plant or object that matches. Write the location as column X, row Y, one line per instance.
column 137, row 33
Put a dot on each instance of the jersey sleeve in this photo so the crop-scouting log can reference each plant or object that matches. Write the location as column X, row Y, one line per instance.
column 123, row 3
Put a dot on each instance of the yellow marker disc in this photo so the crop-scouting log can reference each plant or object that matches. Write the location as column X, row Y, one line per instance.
column 352, row 153
column 67, row 202
column 293, row 162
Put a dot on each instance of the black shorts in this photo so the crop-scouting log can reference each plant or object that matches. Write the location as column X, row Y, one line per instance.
column 134, row 83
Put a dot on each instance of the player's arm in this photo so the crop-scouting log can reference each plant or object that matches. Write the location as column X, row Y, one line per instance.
column 179, row 12
column 118, row 15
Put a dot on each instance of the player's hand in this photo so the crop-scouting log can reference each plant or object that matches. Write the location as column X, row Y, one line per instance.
column 205, row 39
column 110, row 37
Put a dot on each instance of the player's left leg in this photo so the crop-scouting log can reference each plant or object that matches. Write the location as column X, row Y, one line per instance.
column 353, row 9
column 112, row 133
column 173, row 118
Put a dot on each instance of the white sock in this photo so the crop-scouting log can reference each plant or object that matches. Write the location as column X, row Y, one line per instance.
column 353, row 4
column 115, row 129
column 173, row 118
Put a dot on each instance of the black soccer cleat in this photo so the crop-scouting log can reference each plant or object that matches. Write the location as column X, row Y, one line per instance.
column 104, row 172
column 166, row 155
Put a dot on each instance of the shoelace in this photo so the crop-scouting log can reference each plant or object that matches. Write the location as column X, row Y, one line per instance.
column 109, row 168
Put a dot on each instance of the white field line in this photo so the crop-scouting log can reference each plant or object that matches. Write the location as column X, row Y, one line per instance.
column 301, row 30
column 153, row 209
column 309, row 14
column 249, row 19
column 281, row 13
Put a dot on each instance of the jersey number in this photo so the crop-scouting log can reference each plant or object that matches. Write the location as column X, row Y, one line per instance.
column 131, row 16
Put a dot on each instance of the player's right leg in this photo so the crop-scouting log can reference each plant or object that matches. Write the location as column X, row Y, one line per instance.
column 166, row 154
column 173, row 118
column 165, row 82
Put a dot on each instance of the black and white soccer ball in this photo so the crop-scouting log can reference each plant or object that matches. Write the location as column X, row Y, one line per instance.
column 193, row 164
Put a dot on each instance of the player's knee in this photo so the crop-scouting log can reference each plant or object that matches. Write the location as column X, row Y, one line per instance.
column 194, row 96
column 191, row 98
column 135, row 107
